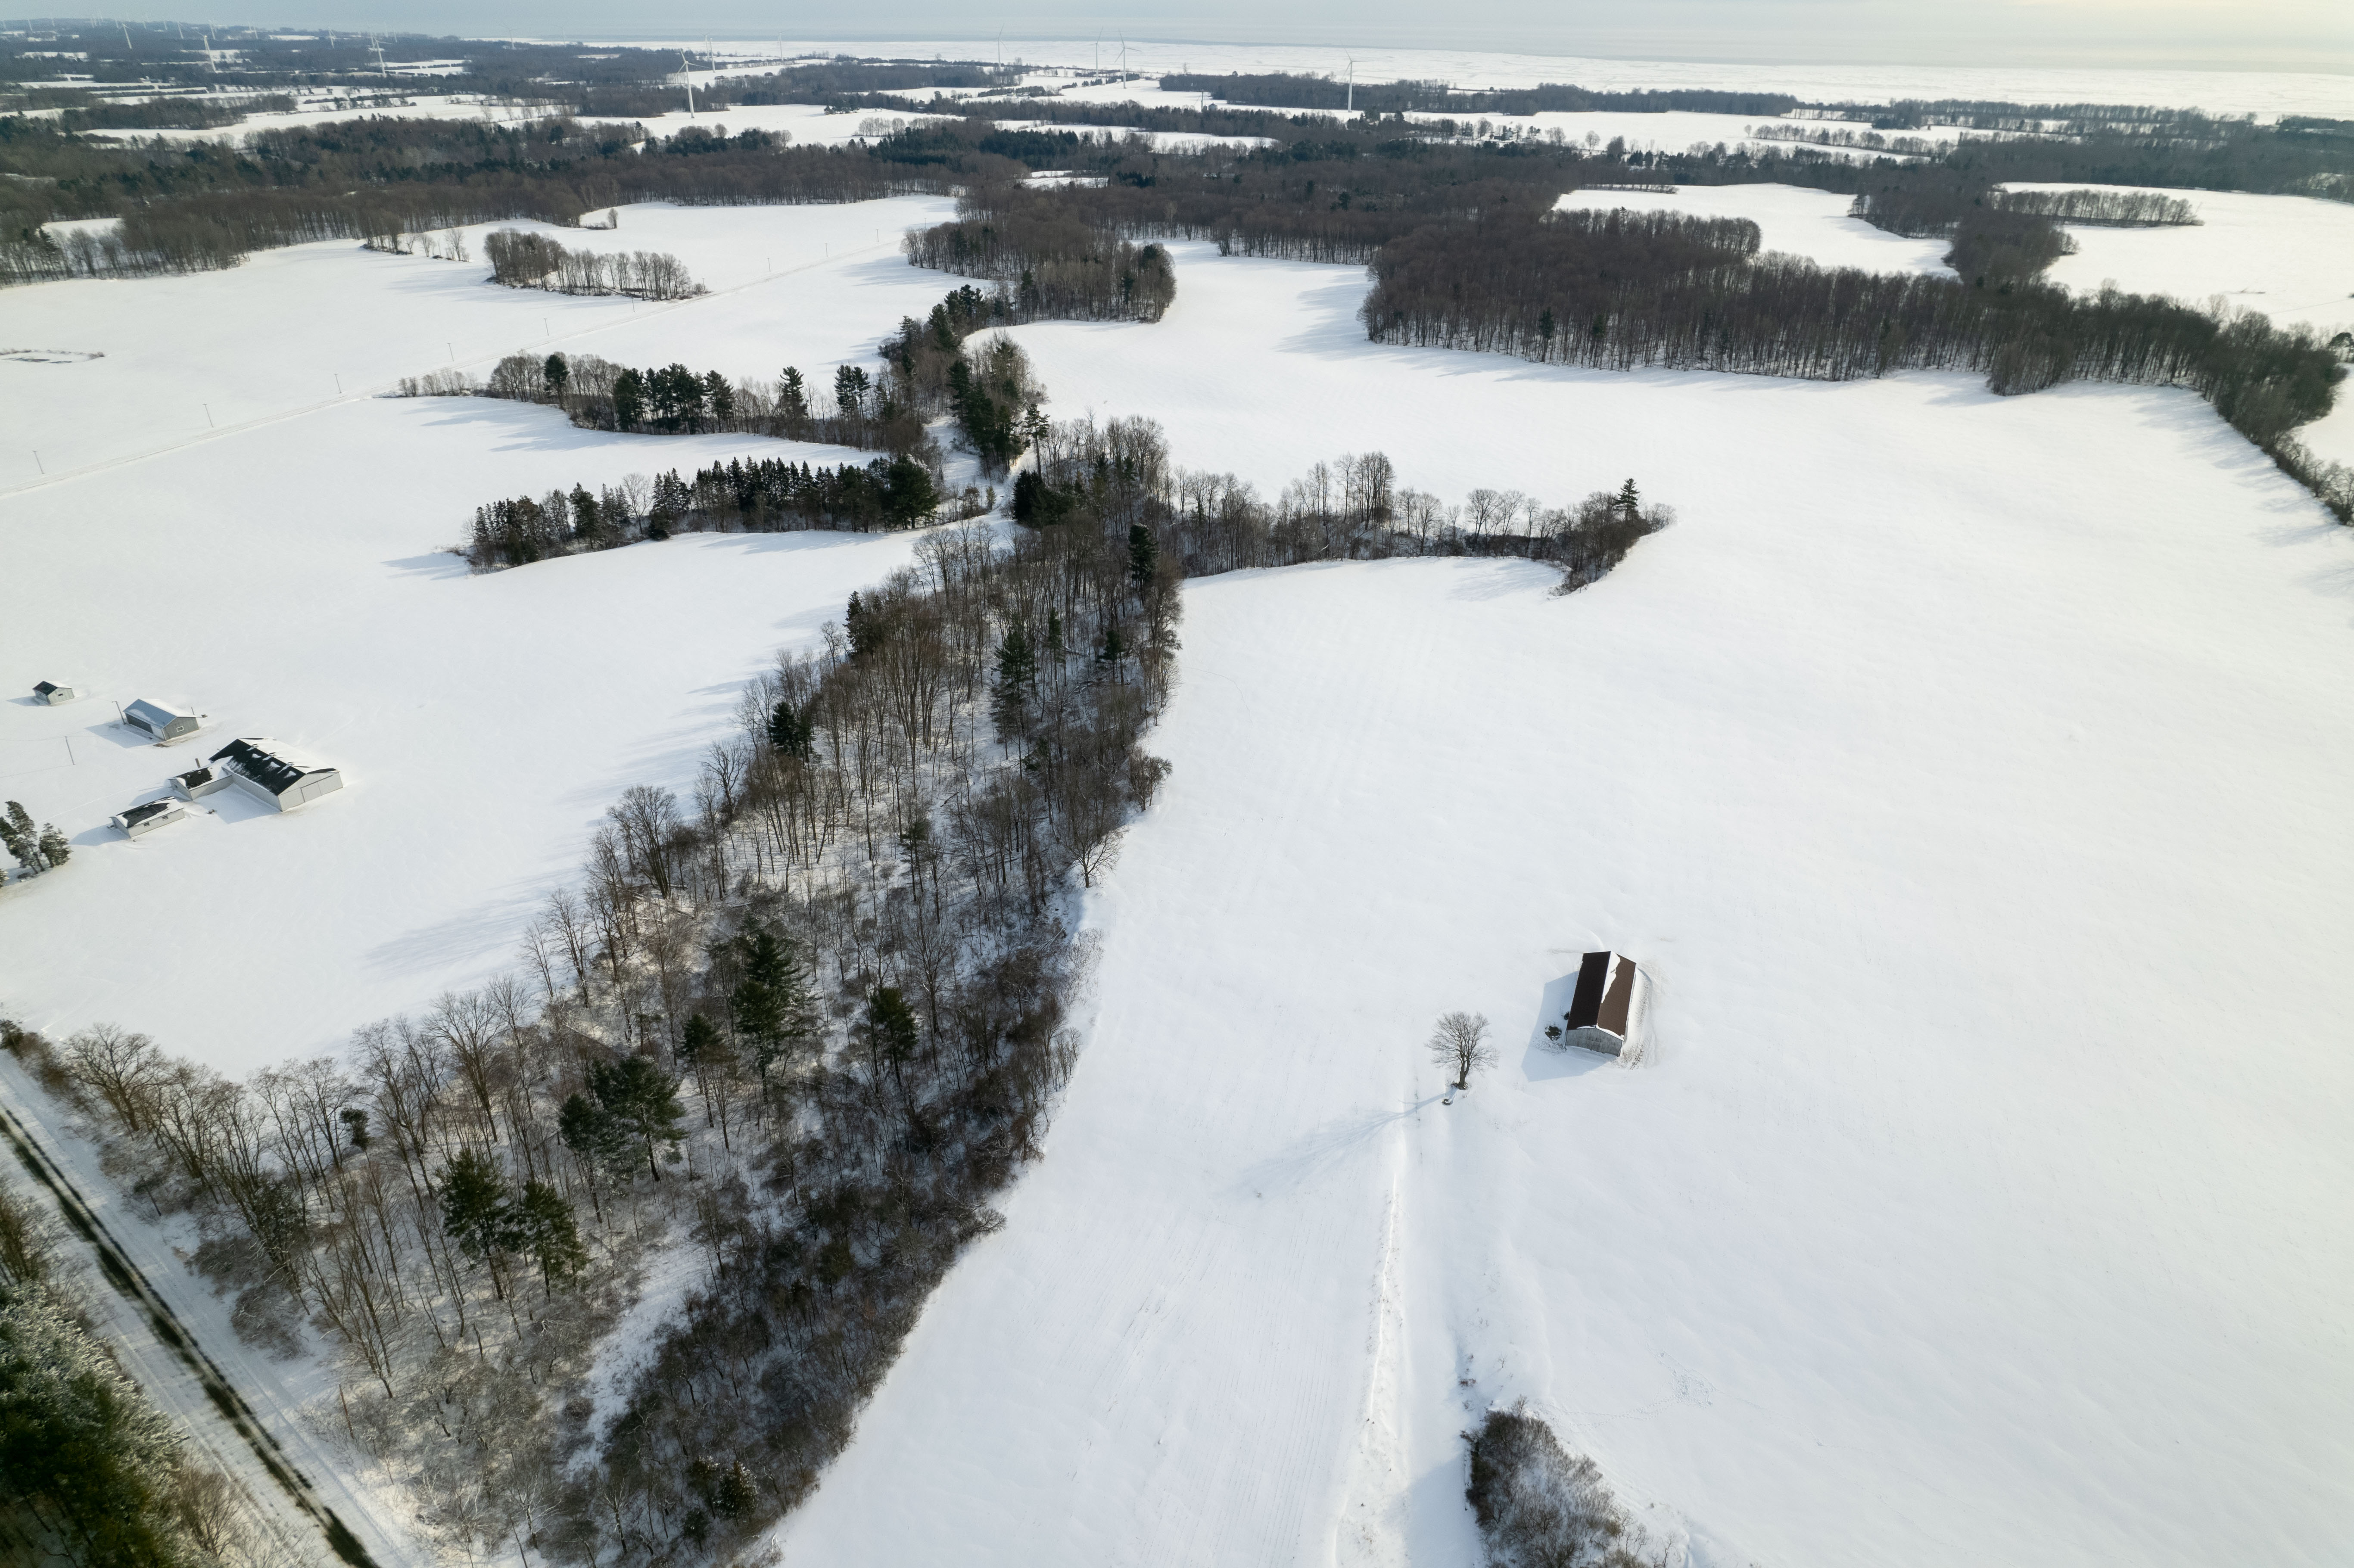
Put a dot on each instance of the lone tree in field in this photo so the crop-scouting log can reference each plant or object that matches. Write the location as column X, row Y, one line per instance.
column 1459, row 1045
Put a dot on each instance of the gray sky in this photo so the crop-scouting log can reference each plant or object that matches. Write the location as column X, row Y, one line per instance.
column 2260, row 35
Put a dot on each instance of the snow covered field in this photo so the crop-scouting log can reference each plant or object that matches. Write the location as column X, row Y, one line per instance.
column 1966, row 770
column 1978, row 815
column 280, row 577
column 2292, row 258
column 293, row 330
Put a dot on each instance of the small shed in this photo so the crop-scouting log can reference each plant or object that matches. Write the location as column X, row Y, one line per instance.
column 270, row 773
column 146, row 819
column 1603, row 1010
column 159, row 720
column 53, row 693
column 199, row 782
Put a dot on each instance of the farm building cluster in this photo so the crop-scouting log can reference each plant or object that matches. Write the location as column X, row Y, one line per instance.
column 264, row 769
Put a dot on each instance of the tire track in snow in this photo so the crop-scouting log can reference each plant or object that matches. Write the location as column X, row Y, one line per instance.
column 132, row 1286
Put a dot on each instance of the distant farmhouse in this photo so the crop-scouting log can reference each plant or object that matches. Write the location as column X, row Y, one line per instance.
column 1602, row 1013
column 157, row 720
column 52, row 692
column 268, row 772
column 146, row 819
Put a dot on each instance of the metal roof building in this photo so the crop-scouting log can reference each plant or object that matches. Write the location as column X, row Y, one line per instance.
column 52, row 692
column 159, row 720
column 147, row 818
column 268, row 772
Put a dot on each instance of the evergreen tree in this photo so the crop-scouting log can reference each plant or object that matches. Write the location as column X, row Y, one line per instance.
column 850, row 390
column 640, row 1101
column 1144, row 554
column 556, row 374
column 788, row 732
column 587, row 524
column 629, row 399
column 1055, row 633
column 772, row 1005
column 1017, row 679
column 792, row 397
column 86, row 1461
column 54, row 848
column 596, row 1139
column 1629, row 503
column 1113, row 649
column 720, row 396
column 23, row 839
column 547, row 1231
column 858, row 627
column 475, row 1212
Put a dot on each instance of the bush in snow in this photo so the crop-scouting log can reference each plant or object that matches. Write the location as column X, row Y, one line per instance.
column 1540, row 1506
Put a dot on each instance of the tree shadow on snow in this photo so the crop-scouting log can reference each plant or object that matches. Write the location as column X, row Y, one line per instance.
column 1321, row 1152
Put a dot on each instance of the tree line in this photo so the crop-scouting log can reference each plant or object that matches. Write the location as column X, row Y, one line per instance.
column 764, row 495
column 1293, row 90
column 522, row 260
column 1614, row 290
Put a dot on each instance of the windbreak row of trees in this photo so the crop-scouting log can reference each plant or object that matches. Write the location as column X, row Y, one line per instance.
column 2106, row 209
column 522, row 260
column 1289, row 89
column 765, row 495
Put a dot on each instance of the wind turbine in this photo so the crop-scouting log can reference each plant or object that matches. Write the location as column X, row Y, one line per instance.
column 687, row 65
column 1352, row 84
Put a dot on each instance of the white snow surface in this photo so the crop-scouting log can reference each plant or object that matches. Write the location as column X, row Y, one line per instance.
column 1793, row 220
column 280, row 579
column 2289, row 257
column 186, row 356
column 1966, row 773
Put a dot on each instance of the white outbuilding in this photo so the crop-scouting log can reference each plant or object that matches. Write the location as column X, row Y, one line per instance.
column 160, row 721
column 270, row 773
column 53, row 693
column 1607, row 1003
column 143, row 819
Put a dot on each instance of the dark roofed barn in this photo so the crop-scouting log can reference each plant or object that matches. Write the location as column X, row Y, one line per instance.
column 52, row 692
column 1602, row 1011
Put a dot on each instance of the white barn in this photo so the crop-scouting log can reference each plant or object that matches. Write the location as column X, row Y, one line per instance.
column 1607, row 1004
column 145, row 818
column 268, row 772
column 52, row 692
column 159, row 720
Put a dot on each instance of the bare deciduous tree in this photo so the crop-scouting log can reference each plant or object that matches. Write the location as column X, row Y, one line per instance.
column 1459, row 1045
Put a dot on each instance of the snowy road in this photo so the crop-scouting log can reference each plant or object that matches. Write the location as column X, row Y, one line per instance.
column 158, row 1323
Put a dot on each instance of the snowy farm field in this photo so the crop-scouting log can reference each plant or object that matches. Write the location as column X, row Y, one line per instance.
column 282, row 579
column 1965, row 770
column 289, row 331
